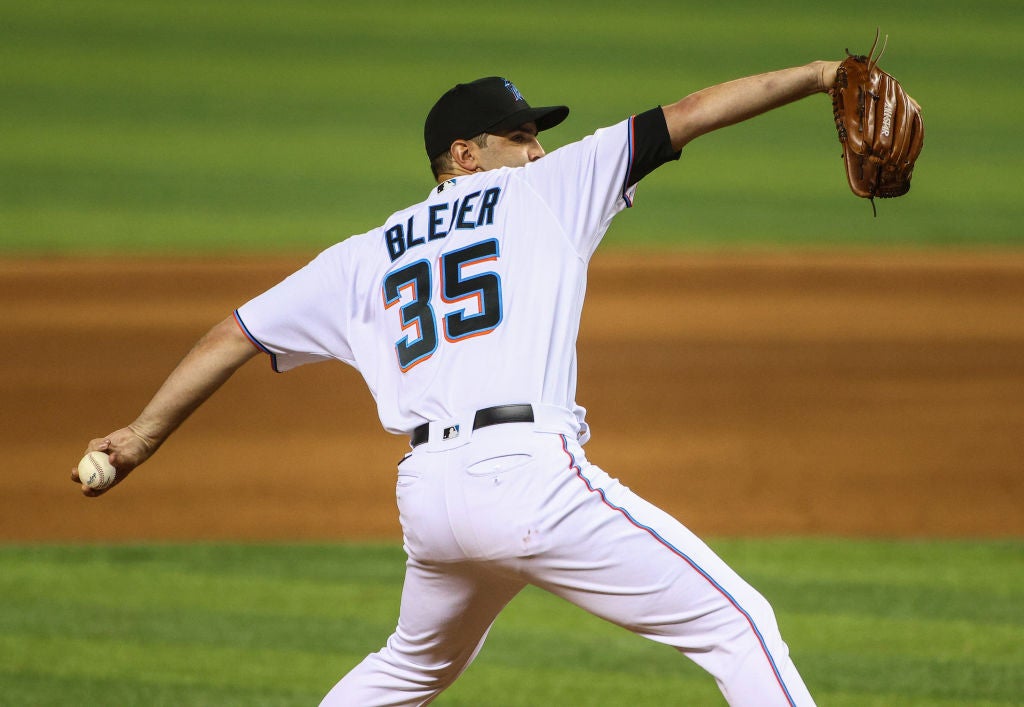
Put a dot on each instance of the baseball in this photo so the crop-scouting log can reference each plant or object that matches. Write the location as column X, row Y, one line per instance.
column 96, row 471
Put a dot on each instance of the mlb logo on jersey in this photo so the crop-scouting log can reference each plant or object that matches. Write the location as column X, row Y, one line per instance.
column 511, row 88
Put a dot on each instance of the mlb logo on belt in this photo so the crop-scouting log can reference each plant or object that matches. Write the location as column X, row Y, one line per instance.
column 450, row 432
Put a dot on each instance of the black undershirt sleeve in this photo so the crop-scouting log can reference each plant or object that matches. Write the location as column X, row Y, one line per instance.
column 652, row 145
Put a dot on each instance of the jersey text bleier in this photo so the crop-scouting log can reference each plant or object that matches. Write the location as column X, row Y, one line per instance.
column 441, row 220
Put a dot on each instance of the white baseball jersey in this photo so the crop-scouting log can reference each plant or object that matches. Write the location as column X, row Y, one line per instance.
column 469, row 299
column 472, row 299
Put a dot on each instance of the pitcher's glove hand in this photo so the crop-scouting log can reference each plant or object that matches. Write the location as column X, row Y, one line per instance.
column 879, row 127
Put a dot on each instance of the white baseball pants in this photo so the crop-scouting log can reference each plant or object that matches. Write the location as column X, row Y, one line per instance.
column 495, row 509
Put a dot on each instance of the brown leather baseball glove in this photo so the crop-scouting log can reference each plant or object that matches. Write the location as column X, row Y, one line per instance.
column 879, row 127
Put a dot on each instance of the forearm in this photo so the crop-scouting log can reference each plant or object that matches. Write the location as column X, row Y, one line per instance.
column 735, row 101
column 204, row 369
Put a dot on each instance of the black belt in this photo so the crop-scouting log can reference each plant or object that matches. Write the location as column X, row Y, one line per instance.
column 497, row 415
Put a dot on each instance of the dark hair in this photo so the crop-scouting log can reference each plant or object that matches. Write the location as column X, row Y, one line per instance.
column 443, row 163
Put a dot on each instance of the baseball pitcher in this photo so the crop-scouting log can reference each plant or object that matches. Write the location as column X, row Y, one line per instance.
column 461, row 312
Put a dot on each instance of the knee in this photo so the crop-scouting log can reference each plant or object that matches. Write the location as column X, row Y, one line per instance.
column 752, row 615
column 424, row 669
column 758, row 607
column 390, row 677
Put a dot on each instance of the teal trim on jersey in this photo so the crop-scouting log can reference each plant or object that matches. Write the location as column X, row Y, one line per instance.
column 256, row 342
column 631, row 151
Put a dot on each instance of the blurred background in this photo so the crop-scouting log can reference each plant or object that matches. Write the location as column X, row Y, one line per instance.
column 154, row 127
column 152, row 152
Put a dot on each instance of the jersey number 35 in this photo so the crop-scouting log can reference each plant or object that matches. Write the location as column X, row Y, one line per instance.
column 416, row 282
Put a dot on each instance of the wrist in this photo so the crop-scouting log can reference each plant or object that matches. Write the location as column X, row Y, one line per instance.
column 148, row 441
column 825, row 73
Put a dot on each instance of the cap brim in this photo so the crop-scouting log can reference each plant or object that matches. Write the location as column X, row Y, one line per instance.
column 545, row 118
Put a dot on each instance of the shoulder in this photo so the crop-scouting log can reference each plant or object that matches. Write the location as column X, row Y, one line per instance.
column 617, row 133
column 605, row 145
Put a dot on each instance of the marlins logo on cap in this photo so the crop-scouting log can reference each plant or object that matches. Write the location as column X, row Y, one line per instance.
column 511, row 88
column 490, row 104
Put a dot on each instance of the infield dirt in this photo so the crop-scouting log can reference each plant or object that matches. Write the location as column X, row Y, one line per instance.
column 855, row 394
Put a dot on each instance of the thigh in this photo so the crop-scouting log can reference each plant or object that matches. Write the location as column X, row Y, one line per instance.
column 446, row 613
column 623, row 559
column 447, row 608
column 627, row 561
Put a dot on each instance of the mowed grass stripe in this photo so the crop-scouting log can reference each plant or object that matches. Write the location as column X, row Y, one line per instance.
column 44, row 690
column 235, row 624
column 177, row 663
column 917, row 639
column 988, row 566
column 154, row 127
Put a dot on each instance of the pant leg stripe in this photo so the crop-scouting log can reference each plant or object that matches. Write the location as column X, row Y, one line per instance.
column 653, row 533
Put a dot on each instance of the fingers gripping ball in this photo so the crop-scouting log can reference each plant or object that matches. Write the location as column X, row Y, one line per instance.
column 96, row 471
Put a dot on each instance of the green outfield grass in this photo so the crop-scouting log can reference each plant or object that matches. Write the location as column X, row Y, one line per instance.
column 868, row 622
column 155, row 126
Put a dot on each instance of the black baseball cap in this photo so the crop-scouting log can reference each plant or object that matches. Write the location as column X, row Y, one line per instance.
column 487, row 105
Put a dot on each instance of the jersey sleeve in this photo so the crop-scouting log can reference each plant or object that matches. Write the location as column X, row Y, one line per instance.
column 652, row 145
column 587, row 183
column 303, row 319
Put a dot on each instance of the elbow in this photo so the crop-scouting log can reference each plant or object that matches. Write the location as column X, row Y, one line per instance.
column 683, row 121
column 230, row 342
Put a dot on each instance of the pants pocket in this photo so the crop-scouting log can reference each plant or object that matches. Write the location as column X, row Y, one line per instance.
column 496, row 465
